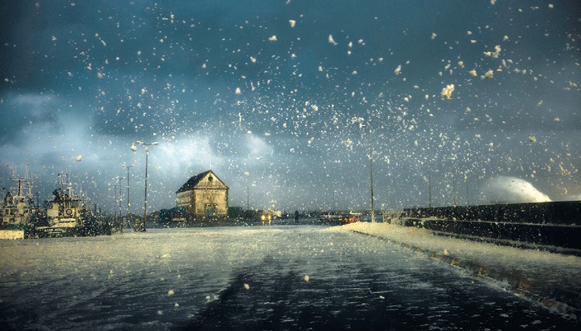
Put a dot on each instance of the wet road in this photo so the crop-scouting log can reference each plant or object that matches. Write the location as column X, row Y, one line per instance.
column 253, row 278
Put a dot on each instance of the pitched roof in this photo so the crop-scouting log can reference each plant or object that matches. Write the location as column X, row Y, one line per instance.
column 192, row 182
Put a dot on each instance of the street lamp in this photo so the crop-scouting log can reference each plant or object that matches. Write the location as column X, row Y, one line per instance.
column 140, row 227
column 429, row 187
column 371, row 176
column 115, row 204
column 127, row 216
column 117, row 201
column 361, row 125
column 333, row 200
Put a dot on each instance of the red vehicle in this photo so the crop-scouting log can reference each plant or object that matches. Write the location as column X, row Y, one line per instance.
column 350, row 218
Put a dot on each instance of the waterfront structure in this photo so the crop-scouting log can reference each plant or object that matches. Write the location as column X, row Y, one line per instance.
column 204, row 195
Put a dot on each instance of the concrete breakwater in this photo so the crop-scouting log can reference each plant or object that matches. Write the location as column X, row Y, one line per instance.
column 556, row 224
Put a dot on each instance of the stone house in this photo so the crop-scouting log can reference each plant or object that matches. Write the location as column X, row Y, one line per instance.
column 204, row 195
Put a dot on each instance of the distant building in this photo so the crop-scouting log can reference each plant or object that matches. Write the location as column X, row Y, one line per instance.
column 204, row 195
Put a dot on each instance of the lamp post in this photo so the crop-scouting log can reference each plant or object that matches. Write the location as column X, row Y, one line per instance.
column 454, row 190
column 361, row 125
column 128, row 204
column 247, row 197
column 117, row 200
column 141, row 226
column 371, row 176
column 333, row 200
column 116, row 203
column 467, row 195
column 429, row 187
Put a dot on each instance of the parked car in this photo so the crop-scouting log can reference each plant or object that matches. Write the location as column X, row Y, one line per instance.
column 266, row 217
column 350, row 218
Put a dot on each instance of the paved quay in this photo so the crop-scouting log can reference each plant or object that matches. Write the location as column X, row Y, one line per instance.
column 279, row 277
column 549, row 279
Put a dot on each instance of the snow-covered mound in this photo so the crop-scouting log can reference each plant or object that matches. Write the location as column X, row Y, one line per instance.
column 512, row 190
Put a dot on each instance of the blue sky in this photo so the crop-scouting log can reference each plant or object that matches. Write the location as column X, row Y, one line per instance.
column 89, row 78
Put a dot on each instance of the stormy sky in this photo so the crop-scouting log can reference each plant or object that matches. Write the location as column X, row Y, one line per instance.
column 279, row 97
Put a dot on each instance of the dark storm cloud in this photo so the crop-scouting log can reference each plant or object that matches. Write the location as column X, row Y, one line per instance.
column 21, row 111
column 91, row 78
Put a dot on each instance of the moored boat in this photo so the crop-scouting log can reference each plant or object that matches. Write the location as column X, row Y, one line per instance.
column 18, row 211
column 68, row 215
column 64, row 214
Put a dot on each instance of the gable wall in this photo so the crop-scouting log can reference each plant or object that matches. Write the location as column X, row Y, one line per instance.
column 206, row 192
column 218, row 197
